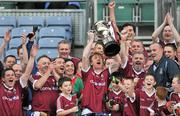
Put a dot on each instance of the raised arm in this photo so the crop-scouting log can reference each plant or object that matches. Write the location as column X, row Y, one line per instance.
column 7, row 38
column 30, row 64
column 112, row 17
column 40, row 83
column 159, row 30
column 25, row 53
column 87, row 51
column 124, row 52
column 175, row 33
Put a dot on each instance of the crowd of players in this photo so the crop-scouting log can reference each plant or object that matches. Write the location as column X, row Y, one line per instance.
column 132, row 83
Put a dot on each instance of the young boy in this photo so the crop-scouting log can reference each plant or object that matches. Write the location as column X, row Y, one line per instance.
column 147, row 95
column 66, row 103
column 115, row 95
column 161, row 93
column 175, row 96
column 130, row 101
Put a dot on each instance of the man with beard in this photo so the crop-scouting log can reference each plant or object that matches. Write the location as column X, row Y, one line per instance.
column 136, row 68
column 169, row 34
column 163, row 68
column 45, row 90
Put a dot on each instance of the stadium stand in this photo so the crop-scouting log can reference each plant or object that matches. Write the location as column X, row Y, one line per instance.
column 61, row 21
column 8, row 21
column 52, row 53
column 52, row 32
column 49, row 42
column 30, row 21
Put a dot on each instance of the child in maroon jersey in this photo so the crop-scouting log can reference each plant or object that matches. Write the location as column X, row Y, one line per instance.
column 131, row 99
column 147, row 95
column 175, row 96
column 115, row 95
column 161, row 93
column 66, row 103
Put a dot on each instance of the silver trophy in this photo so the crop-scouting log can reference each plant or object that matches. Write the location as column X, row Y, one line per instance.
column 102, row 32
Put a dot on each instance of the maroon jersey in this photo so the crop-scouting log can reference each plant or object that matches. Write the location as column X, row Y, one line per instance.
column 44, row 99
column 75, row 60
column 130, row 72
column 131, row 108
column 95, row 87
column 175, row 97
column 11, row 100
column 162, row 110
column 64, row 103
column 146, row 101
column 118, row 99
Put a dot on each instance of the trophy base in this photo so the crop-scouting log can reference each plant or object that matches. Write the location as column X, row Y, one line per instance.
column 111, row 48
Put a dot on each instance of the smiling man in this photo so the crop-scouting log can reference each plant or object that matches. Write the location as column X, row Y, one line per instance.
column 163, row 68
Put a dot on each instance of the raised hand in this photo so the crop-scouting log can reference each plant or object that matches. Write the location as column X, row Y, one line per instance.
column 112, row 4
column 169, row 18
column 34, row 50
column 23, row 39
column 91, row 36
column 7, row 37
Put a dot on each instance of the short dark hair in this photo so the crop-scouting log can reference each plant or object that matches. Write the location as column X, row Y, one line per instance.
column 5, row 70
column 149, row 74
column 62, row 80
column 129, row 24
column 64, row 42
column 43, row 56
column 118, row 74
column 5, row 59
column 173, row 46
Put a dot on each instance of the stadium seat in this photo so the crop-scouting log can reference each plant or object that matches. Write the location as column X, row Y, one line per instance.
column 52, row 32
column 8, row 21
column 49, row 42
column 17, row 32
column 11, row 52
column 30, row 21
column 63, row 21
column 14, row 43
column 3, row 31
column 52, row 53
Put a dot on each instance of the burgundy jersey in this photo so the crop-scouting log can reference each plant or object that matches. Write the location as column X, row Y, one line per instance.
column 131, row 108
column 130, row 72
column 11, row 101
column 146, row 100
column 64, row 103
column 44, row 99
column 75, row 60
column 162, row 111
column 175, row 97
column 95, row 87
column 118, row 99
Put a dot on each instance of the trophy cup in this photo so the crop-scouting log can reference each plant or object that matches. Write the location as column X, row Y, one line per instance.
column 102, row 32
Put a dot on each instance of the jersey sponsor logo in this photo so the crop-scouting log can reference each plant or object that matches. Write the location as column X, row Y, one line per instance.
column 49, row 88
column 97, row 83
column 10, row 98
